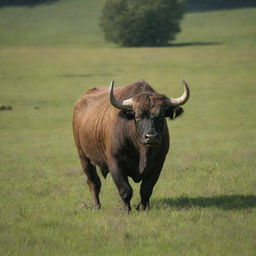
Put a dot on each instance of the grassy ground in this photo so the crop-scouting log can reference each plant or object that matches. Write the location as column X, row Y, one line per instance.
column 205, row 200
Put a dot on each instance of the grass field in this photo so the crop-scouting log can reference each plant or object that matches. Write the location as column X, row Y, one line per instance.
column 205, row 200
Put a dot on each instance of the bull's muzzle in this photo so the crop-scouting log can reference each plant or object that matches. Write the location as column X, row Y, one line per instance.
column 151, row 139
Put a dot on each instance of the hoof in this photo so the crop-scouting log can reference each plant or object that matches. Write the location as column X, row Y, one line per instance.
column 97, row 207
column 141, row 207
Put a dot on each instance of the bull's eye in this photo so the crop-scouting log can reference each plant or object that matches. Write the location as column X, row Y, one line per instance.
column 127, row 114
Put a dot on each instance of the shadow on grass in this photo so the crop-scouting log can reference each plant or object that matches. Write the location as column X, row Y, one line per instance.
column 224, row 202
column 192, row 44
column 28, row 3
column 182, row 44
column 212, row 5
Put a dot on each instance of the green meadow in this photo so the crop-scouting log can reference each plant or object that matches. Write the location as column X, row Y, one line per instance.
column 205, row 200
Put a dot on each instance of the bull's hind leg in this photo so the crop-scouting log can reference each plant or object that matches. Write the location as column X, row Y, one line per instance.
column 93, row 179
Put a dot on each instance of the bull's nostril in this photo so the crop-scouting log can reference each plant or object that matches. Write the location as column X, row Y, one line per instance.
column 151, row 139
column 151, row 135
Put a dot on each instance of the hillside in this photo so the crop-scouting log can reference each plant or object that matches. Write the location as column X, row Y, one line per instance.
column 76, row 24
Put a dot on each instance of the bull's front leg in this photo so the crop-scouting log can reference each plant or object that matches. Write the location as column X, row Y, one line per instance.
column 123, row 186
column 146, row 190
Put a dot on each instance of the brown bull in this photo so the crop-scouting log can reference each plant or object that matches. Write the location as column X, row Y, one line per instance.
column 124, row 132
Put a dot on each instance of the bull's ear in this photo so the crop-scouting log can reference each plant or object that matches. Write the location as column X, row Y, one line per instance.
column 173, row 113
column 127, row 114
column 178, row 111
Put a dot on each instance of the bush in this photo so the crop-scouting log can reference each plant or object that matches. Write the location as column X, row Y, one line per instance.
column 141, row 22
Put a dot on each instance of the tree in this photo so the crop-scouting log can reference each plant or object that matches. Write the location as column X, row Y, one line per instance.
column 141, row 22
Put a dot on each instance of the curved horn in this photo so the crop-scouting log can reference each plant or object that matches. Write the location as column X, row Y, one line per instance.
column 175, row 102
column 120, row 104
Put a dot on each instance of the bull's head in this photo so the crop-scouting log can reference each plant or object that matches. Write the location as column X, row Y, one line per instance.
column 149, row 110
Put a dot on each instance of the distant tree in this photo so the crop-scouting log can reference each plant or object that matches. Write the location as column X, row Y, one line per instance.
column 141, row 22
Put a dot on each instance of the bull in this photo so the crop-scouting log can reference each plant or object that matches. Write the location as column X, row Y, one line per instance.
column 124, row 131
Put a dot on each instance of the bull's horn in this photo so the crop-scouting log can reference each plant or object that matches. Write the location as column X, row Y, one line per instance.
column 120, row 104
column 175, row 102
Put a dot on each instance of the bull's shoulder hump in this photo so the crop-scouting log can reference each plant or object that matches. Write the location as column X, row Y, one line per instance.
column 96, row 94
column 96, row 90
